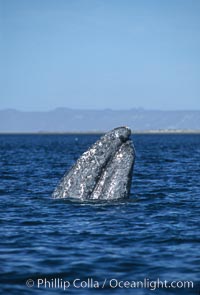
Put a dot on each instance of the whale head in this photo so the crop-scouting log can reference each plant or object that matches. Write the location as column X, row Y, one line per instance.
column 103, row 172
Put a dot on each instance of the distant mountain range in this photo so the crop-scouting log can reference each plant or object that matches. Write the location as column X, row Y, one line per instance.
column 71, row 120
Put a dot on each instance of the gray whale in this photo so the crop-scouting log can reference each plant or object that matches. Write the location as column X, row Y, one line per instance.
column 103, row 172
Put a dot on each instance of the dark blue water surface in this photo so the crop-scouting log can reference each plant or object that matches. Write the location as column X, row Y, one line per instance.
column 155, row 234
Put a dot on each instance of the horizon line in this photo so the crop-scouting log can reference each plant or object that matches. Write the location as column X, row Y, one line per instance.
column 150, row 131
column 99, row 109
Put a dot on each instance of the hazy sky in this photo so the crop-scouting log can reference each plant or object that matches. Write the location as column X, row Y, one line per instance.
column 97, row 54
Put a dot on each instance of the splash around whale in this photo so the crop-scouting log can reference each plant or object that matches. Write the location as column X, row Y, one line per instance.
column 103, row 172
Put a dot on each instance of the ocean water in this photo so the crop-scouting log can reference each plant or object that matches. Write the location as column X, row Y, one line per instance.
column 52, row 246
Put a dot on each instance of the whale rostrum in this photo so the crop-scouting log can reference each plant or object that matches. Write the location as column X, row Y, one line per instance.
column 103, row 172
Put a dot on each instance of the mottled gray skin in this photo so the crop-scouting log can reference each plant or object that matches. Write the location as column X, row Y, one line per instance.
column 115, row 180
column 104, row 171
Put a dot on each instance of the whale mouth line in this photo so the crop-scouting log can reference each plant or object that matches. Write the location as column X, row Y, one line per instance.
column 107, row 161
column 106, row 164
column 103, row 172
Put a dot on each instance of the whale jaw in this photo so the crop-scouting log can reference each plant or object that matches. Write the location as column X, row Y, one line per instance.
column 103, row 172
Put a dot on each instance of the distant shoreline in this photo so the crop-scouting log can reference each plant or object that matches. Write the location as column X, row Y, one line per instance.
column 68, row 121
column 102, row 132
